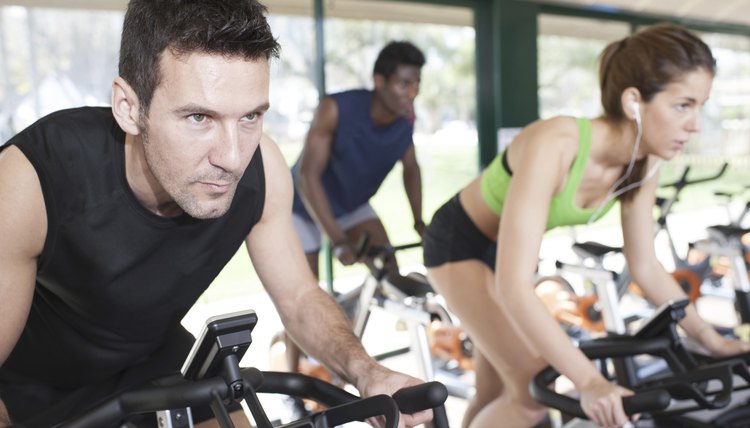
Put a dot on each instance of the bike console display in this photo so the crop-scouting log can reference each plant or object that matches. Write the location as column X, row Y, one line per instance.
column 221, row 336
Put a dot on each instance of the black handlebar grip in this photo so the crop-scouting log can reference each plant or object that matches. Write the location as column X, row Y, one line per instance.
column 420, row 397
column 646, row 401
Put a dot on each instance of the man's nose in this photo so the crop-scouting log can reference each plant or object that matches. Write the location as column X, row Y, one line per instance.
column 227, row 153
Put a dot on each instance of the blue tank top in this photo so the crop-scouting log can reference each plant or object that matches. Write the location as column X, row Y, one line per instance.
column 113, row 278
column 362, row 154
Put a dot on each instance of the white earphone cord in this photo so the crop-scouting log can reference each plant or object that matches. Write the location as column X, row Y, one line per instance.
column 611, row 194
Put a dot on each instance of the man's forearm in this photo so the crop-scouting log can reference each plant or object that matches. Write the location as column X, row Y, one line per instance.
column 324, row 332
column 319, row 207
column 413, row 187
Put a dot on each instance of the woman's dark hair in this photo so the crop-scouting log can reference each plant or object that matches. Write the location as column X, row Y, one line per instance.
column 395, row 54
column 223, row 27
column 648, row 60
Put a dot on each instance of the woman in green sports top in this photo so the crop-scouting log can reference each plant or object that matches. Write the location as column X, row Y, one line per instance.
column 481, row 249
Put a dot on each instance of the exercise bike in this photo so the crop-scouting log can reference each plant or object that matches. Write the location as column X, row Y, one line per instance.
column 696, row 391
column 441, row 351
column 212, row 376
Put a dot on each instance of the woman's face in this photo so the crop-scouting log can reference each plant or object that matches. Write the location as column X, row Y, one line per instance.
column 673, row 115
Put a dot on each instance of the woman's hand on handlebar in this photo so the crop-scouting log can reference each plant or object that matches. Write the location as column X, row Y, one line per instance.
column 720, row 346
column 602, row 403
column 384, row 381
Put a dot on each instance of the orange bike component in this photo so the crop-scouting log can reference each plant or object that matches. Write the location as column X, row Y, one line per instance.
column 448, row 342
column 689, row 282
column 567, row 307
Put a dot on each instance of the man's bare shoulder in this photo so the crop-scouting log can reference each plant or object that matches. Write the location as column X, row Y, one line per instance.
column 22, row 208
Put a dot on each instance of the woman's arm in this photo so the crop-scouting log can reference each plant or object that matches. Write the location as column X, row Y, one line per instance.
column 650, row 275
column 541, row 159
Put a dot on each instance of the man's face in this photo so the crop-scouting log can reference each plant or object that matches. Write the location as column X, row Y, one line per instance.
column 203, row 127
column 400, row 89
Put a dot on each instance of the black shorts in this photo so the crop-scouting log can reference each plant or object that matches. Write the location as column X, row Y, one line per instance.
column 33, row 404
column 452, row 237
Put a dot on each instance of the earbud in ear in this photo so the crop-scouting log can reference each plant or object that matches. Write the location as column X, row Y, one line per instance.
column 636, row 110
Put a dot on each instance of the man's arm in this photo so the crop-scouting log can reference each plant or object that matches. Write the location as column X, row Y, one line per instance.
column 310, row 315
column 23, row 227
column 413, row 186
column 315, row 157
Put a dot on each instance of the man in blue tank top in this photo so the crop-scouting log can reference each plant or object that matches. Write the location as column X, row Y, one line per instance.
column 355, row 139
column 115, row 220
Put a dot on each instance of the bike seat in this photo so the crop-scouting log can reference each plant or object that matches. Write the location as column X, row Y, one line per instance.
column 590, row 249
column 410, row 286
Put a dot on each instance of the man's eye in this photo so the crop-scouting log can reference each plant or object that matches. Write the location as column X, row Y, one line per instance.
column 198, row 117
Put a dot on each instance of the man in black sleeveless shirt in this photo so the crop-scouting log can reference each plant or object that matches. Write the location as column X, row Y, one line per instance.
column 114, row 221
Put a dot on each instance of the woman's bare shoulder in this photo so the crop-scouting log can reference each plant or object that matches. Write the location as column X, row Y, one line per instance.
column 554, row 136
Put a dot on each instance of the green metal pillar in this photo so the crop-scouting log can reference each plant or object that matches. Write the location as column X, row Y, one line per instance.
column 320, row 83
column 506, row 70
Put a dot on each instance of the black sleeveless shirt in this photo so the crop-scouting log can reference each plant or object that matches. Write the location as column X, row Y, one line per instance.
column 114, row 279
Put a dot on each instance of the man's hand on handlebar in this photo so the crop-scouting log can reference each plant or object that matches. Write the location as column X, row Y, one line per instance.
column 345, row 253
column 420, row 227
column 602, row 403
column 384, row 381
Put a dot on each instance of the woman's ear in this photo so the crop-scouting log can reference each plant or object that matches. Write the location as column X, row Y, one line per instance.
column 630, row 102
column 125, row 106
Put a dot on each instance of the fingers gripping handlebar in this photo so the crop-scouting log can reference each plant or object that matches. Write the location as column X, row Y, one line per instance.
column 646, row 401
column 409, row 400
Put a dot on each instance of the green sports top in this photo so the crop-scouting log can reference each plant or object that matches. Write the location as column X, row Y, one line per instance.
column 562, row 210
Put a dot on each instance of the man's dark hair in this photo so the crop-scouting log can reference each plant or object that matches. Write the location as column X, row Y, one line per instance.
column 223, row 27
column 395, row 54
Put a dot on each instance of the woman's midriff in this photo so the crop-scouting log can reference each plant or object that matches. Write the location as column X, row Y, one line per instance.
column 476, row 208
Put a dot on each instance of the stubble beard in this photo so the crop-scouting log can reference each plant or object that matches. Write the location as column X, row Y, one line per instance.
column 180, row 193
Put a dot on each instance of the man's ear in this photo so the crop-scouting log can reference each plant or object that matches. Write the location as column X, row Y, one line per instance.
column 125, row 106
column 379, row 81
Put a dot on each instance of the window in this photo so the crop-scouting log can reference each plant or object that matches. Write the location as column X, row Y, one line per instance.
column 568, row 63
column 52, row 59
column 726, row 117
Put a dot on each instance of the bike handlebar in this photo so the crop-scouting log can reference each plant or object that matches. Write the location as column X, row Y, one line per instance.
column 683, row 180
column 409, row 400
column 177, row 392
column 665, row 204
column 686, row 381
column 646, row 401
column 152, row 398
